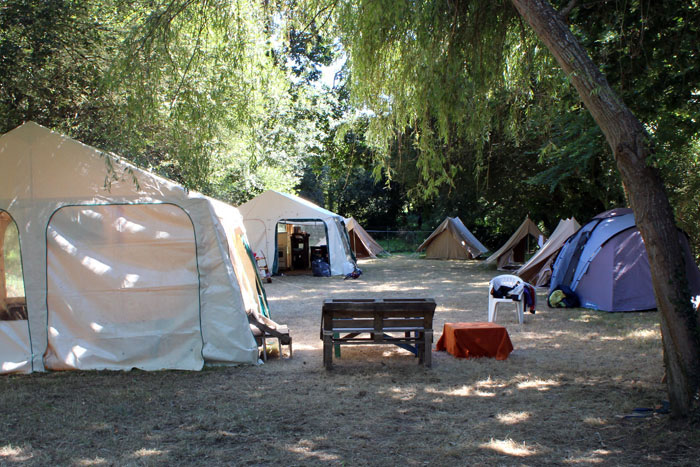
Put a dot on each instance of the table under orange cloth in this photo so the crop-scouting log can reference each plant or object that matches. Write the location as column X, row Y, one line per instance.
column 475, row 340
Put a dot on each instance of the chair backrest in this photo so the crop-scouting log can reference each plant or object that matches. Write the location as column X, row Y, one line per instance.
column 508, row 280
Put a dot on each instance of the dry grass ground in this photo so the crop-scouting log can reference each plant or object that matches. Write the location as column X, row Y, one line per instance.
column 556, row 400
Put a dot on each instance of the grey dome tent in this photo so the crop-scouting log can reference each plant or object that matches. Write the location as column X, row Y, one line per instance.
column 452, row 240
column 605, row 263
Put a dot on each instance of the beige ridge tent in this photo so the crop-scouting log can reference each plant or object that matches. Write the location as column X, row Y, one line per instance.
column 538, row 269
column 513, row 251
column 122, row 272
column 452, row 240
column 362, row 243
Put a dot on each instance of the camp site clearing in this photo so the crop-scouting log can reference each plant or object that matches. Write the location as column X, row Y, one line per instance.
column 564, row 396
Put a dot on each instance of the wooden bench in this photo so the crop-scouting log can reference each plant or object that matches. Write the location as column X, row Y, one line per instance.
column 406, row 322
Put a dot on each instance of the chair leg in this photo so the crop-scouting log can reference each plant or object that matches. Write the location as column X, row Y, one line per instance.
column 520, row 309
column 492, row 310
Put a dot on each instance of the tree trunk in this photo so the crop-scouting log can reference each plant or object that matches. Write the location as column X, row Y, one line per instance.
column 680, row 327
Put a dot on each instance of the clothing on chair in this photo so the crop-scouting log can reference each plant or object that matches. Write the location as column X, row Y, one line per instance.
column 530, row 297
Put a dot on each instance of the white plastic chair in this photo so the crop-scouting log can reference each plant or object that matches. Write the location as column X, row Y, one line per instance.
column 519, row 290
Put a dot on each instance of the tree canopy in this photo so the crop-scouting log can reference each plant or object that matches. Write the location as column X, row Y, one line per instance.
column 442, row 108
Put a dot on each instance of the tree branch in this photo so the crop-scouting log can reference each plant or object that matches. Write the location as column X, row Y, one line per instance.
column 564, row 13
column 313, row 20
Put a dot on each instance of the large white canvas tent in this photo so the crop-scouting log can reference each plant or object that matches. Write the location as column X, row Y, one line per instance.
column 538, row 269
column 452, row 240
column 362, row 243
column 273, row 220
column 119, row 269
column 513, row 251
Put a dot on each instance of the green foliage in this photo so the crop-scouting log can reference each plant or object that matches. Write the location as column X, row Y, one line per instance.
column 472, row 117
column 459, row 99
column 418, row 66
column 648, row 51
column 51, row 62
column 203, row 71
column 193, row 90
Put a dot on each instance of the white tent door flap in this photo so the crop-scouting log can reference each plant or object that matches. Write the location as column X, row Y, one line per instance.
column 122, row 289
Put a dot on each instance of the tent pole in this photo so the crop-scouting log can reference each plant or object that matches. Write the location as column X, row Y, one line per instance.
column 4, row 222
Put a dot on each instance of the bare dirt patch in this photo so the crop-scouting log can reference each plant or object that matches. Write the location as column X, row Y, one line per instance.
column 556, row 400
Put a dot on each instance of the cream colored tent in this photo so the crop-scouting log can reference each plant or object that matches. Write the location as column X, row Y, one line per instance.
column 538, row 269
column 513, row 251
column 362, row 243
column 117, row 272
column 270, row 218
column 452, row 240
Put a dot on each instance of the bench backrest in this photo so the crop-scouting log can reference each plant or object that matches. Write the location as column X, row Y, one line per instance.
column 384, row 314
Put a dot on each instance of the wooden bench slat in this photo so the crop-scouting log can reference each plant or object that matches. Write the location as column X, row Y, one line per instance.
column 371, row 330
column 349, row 323
column 402, row 322
column 384, row 313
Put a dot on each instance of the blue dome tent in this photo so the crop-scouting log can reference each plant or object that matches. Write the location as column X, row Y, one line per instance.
column 605, row 263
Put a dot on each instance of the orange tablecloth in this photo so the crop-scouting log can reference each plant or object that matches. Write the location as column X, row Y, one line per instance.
column 475, row 340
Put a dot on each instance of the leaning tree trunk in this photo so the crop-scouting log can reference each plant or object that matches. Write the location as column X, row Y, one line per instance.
column 680, row 327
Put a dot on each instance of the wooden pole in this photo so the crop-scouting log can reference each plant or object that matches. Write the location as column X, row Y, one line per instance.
column 4, row 222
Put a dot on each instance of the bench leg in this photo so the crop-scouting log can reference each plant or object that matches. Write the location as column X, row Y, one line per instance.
column 337, row 346
column 427, row 346
column 327, row 352
column 420, row 351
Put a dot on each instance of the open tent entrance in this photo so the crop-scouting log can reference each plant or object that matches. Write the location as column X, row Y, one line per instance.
column 15, row 344
column 299, row 243
column 519, row 247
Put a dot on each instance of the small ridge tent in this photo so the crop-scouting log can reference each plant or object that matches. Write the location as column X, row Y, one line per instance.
column 291, row 232
column 513, row 251
column 452, row 240
column 115, row 269
column 605, row 263
column 362, row 243
column 538, row 269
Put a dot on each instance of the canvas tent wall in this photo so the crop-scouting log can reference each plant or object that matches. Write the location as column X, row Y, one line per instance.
column 122, row 272
column 262, row 214
column 606, row 264
column 538, row 269
column 452, row 240
column 362, row 243
column 513, row 251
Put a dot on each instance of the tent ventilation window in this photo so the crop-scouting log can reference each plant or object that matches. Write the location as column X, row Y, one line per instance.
column 13, row 304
